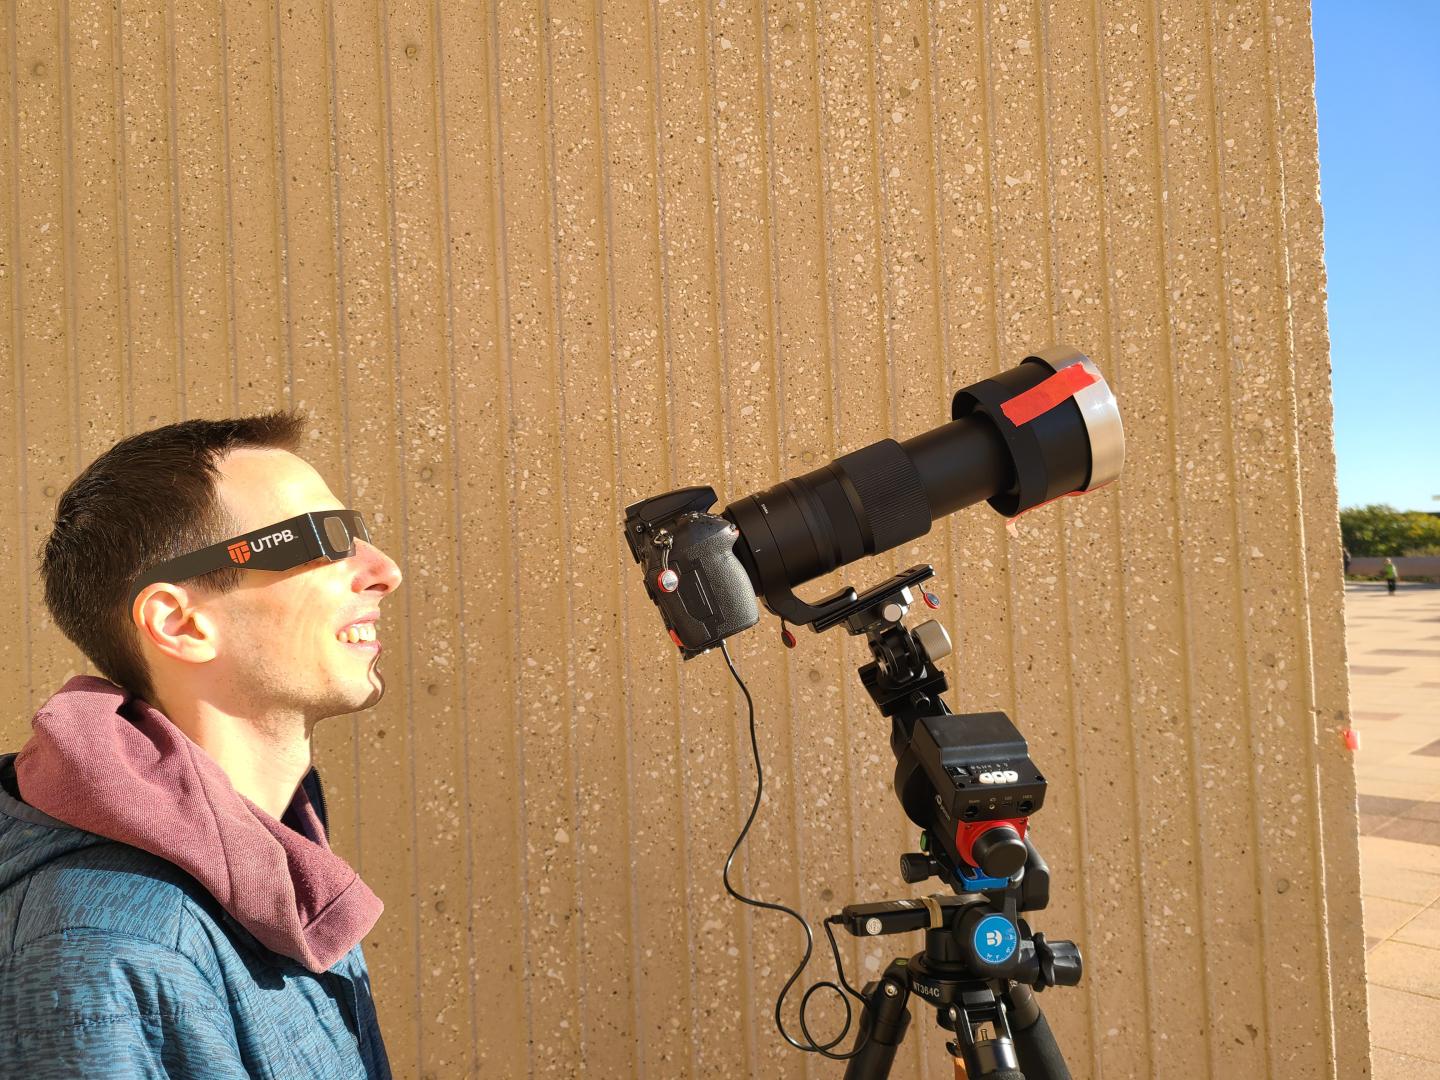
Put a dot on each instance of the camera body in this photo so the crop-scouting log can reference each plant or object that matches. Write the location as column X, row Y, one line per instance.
column 691, row 571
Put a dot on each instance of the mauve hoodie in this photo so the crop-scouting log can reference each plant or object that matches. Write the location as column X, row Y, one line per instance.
column 113, row 765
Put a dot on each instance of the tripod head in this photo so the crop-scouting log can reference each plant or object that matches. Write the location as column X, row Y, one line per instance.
column 967, row 781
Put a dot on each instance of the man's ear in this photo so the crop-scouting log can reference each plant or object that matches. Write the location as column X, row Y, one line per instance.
column 170, row 618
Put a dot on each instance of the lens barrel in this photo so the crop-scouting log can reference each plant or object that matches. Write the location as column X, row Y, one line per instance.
column 885, row 494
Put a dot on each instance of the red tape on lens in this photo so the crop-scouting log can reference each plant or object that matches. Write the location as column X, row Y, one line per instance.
column 1044, row 396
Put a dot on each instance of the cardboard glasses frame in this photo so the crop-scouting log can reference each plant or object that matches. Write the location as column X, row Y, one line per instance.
column 320, row 534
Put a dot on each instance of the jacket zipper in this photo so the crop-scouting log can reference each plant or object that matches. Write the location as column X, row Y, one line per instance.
column 320, row 799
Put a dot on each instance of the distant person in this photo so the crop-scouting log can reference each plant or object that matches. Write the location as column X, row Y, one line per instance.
column 1392, row 576
column 1346, row 552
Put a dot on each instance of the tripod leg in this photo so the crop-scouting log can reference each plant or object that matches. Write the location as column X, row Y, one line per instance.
column 1035, row 1044
column 883, row 1024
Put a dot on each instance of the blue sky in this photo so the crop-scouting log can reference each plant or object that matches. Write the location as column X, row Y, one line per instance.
column 1378, row 95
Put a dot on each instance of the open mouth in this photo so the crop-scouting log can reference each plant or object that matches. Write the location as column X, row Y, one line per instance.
column 359, row 635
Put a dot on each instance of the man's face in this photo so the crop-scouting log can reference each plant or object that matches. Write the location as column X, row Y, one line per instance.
column 279, row 646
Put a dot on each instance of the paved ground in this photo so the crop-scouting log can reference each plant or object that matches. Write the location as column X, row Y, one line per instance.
column 1394, row 646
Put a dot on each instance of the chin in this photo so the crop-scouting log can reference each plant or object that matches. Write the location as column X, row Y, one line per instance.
column 351, row 698
column 376, row 692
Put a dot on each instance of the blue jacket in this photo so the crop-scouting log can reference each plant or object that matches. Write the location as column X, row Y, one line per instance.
column 115, row 963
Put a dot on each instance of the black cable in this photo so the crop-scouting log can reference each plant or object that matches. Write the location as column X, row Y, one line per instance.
column 810, row 1046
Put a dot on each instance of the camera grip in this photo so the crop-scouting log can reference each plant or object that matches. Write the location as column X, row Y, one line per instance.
column 710, row 596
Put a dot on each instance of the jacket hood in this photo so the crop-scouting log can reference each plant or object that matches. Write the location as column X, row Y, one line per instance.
column 113, row 765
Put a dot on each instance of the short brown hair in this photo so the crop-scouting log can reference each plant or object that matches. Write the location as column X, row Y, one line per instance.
column 149, row 498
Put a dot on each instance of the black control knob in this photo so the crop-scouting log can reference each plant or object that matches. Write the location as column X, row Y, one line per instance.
column 1060, row 963
column 999, row 851
column 915, row 867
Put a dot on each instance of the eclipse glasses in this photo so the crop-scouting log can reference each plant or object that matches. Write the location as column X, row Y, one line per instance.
column 320, row 534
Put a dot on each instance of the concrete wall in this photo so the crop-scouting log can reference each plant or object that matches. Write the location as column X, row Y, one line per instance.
column 525, row 264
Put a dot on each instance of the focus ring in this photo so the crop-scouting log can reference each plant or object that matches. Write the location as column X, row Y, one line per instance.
column 892, row 497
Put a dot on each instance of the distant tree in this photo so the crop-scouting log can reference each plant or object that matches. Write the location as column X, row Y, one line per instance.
column 1383, row 530
column 1424, row 534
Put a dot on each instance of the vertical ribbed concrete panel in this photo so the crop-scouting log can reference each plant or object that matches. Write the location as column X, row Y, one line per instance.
column 521, row 266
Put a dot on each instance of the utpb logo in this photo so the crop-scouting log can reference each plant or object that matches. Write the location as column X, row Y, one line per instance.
column 239, row 553
column 284, row 536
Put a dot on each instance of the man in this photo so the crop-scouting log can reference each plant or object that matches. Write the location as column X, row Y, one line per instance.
column 1392, row 575
column 169, row 904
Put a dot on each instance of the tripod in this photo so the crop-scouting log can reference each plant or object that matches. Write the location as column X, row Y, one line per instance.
column 968, row 782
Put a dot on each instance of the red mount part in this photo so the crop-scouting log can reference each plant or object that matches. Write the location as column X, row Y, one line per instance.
column 970, row 831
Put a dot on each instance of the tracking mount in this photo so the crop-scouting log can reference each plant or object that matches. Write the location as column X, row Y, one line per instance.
column 967, row 780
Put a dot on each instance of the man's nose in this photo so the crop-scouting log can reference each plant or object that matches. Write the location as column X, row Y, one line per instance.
column 380, row 572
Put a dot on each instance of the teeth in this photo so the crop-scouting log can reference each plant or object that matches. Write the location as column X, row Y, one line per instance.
column 356, row 633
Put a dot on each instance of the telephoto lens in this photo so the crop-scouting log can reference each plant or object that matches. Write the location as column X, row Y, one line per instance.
column 1048, row 427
